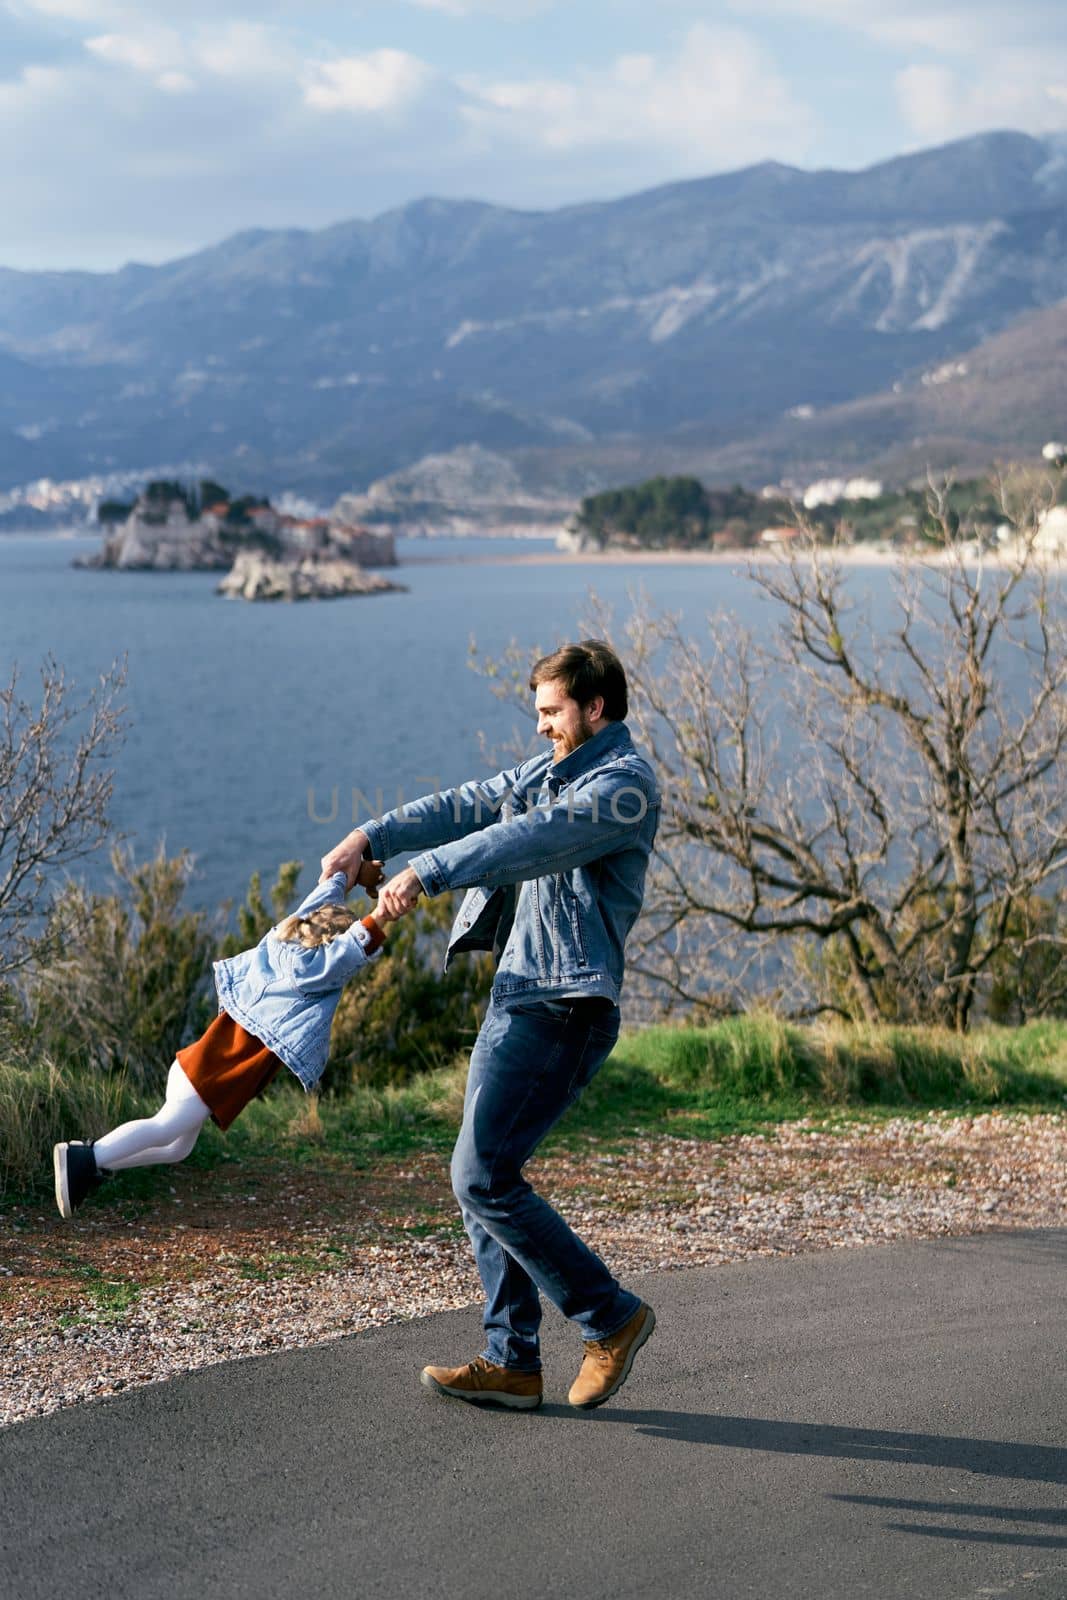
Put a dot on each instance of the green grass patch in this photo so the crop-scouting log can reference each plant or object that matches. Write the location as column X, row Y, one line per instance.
column 42, row 1102
column 107, row 1299
column 759, row 1060
column 737, row 1076
column 284, row 1263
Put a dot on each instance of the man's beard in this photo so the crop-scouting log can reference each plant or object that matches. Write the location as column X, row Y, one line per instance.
column 572, row 741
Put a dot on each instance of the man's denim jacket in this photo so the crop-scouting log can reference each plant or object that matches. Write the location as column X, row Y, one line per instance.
column 575, row 835
column 286, row 995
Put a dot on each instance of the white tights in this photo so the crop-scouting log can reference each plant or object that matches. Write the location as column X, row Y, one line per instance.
column 168, row 1136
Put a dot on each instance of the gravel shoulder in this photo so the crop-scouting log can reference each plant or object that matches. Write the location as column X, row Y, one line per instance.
column 189, row 1267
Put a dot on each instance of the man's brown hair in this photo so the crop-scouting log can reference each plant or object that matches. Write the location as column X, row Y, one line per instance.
column 586, row 670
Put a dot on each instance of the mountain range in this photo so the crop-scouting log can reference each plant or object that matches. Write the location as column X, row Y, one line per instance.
column 765, row 321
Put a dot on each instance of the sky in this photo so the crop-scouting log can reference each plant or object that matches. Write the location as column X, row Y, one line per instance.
column 144, row 131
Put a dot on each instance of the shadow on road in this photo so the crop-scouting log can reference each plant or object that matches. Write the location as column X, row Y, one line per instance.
column 1046, row 1516
column 994, row 1458
column 1021, row 1244
column 1050, row 1515
column 1031, row 1541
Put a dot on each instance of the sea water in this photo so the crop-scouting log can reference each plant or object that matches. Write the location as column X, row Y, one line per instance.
column 260, row 733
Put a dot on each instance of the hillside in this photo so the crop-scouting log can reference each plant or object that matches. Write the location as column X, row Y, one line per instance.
column 692, row 316
column 998, row 401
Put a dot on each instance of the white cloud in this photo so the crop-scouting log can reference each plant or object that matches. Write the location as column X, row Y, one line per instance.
column 515, row 10
column 232, row 50
column 211, row 151
column 946, row 32
column 381, row 81
column 175, row 83
column 93, row 11
column 1022, row 89
column 245, row 50
column 974, row 64
column 132, row 14
column 34, row 88
column 151, row 51
column 927, row 96
column 235, row 125
column 953, row 27
column 717, row 100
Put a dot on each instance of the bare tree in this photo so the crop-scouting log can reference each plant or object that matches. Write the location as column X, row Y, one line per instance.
column 56, row 782
column 860, row 816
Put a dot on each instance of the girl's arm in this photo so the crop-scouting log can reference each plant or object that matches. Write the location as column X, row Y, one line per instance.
column 331, row 893
column 331, row 965
column 335, row 890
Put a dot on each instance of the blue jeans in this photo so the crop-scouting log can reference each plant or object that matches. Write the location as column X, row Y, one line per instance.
column 530, row 1062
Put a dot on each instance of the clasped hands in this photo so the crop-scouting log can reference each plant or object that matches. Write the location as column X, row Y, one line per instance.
column 352, row 857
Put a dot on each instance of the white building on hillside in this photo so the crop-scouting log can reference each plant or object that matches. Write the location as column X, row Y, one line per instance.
column 828, row 491
column 1051, row 536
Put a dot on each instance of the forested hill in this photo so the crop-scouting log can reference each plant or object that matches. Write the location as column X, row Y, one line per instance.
column 681, row 514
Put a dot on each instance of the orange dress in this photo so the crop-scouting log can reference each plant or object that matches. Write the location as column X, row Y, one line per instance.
column 228, row 1066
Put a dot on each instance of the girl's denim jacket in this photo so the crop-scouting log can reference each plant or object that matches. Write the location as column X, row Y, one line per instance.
column 574, row 835
column 286, row 995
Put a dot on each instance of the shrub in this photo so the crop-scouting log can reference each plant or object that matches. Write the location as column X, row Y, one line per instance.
column 404, row 1016
column 258, row 915
column 55, row 790
column 120, row 984
column 42, row 1102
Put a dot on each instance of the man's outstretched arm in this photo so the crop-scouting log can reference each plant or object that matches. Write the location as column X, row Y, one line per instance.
column 543, row 840
column 433, row 819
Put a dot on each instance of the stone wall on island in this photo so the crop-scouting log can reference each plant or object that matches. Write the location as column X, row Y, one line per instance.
column 258, row 577
column 171, row 542
column 163, row 537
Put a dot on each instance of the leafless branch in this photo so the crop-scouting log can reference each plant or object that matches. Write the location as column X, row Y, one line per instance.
column 55, row 789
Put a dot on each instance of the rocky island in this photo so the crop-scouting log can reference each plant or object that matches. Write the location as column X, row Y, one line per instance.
column 257, row 577
column 265, row 554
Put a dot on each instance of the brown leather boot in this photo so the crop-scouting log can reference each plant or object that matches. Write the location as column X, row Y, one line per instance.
column 607, row 1362
column 483, row 1383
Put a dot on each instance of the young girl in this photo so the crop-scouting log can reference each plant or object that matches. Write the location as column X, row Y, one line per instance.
column 276, row 1006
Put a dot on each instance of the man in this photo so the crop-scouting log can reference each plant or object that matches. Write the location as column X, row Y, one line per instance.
column 572, row 829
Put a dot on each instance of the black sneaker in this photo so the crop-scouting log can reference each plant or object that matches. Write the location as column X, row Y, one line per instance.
column 77, row 1175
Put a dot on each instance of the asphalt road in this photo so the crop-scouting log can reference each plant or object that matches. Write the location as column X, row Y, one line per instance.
column 888, row 1421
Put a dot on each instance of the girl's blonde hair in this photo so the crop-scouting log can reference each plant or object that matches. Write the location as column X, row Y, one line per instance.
column 318, row 927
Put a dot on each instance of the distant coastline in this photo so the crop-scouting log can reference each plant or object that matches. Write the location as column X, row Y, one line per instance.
column 859, row 555
column 847, row 556
column 80, row 531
